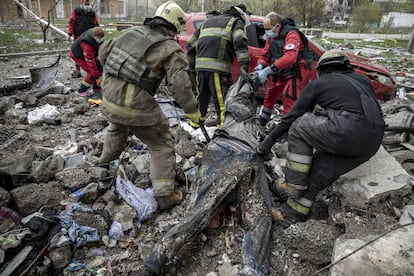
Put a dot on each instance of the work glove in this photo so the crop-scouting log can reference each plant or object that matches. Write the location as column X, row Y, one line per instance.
column 263, row 74
column 195, row 118
column 263, row 117
column 264, row 149
column 259, row 67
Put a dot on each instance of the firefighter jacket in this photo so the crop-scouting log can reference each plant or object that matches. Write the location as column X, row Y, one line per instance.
column 216, row 44
column 128, row 102
column 284, row 51
column 86, row 48
column 333, row 91
column 81, row 20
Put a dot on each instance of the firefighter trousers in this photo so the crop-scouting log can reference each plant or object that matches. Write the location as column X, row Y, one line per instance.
column 160, row 142
column 334, row 142
column 216, row 85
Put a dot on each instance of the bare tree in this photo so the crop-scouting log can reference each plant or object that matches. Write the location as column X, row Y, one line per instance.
column 365, row 14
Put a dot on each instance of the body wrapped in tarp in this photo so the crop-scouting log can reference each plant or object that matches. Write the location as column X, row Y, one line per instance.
column 230, row 172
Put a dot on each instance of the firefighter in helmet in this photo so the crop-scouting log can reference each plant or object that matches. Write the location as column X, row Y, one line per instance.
column 343, row 132
column 131, row 77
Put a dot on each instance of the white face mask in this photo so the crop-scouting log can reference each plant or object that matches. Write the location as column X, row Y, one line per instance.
column 99, row 40
column 270, row 34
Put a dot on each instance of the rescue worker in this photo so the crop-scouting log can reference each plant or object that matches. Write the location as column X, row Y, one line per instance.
column 343, row 133
column 132, row 76
column 283, row 58
column 81, row 19
column 84, row 52
column 211, row 51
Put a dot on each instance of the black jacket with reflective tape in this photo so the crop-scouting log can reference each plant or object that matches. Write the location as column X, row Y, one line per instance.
column 217, row 43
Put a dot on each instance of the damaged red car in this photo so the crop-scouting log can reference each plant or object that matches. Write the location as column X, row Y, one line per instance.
column 381, row 78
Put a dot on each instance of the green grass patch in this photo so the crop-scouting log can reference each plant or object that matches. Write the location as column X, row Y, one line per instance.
column 15, row 41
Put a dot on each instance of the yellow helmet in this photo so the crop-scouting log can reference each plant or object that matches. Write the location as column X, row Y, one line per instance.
column 172, row 13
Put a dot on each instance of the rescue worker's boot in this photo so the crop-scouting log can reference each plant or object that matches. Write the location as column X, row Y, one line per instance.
column 168, row 202
column 283, row 190
column 83, row 90
column 155, row 262
column 291, row 212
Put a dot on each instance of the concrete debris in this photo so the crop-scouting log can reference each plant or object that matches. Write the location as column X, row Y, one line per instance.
column 42, row 164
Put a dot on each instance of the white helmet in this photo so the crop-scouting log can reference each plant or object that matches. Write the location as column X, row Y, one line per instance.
column 172, row 13
column 333, row 56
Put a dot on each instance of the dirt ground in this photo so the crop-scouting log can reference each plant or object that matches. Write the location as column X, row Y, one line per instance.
column 302, row 249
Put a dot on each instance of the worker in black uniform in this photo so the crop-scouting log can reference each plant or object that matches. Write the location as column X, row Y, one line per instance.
column 345, row 131
column 211, row 51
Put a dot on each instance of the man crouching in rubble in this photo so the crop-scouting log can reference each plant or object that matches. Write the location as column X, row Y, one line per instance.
column 343, row 132
column 135, row 63
column 231, row 174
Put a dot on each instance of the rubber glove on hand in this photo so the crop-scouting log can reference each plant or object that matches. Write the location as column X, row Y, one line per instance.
column 195, row 118
column 263, row 74
column 259, row 67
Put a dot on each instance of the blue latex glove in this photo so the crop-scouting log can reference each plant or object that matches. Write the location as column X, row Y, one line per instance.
column 258, row 67
column 263, row 74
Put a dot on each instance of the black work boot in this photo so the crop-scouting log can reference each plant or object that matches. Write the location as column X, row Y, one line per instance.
column 283, row 190
column 155, row 262
column 289, row 213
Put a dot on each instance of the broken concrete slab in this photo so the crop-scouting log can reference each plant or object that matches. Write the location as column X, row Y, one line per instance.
column 407, row 215
column 379, row 178
column 391, row 254
column 30, row 198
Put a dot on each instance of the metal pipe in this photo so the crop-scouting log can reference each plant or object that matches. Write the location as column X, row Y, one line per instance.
column 41, row 21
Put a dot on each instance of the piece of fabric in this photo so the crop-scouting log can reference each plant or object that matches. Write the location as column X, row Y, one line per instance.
column 142, row 200
column 79, row 235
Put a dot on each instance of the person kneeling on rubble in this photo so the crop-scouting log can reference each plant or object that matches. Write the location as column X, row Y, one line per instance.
column 135, row 63
column 343, row 132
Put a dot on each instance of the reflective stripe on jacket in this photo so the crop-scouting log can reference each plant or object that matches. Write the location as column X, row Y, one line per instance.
column 217, row 43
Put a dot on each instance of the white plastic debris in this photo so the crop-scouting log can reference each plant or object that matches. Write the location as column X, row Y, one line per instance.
column 39, row 114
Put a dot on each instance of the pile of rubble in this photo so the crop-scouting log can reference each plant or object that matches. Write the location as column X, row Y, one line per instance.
column 61, row 215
